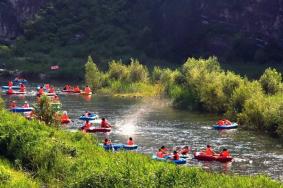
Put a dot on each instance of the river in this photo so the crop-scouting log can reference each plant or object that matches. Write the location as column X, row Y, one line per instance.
column 153, row 123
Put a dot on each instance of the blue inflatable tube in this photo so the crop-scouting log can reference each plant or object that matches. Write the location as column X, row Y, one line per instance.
column 21, row 81
column 133, row 147
column 13, row 87
column 113, row 147
column 232, row 126
column 20, row 109
column 91, row 117
column 180, row 161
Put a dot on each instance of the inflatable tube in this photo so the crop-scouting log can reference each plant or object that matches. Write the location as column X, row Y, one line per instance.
column 67, row 91
column 112, row 146
column 90, row 117
column 16, row 93
column 202, row 157
column 184, row 156
column 20, row 109
column 232, row 126
column 86, row 94
column 154, row 157
column 95, row 130
column 50, row 94
column 13, row 87
column 132, row 147
column 180, row 161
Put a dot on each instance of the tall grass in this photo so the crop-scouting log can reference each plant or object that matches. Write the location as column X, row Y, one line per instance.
column 65, row 159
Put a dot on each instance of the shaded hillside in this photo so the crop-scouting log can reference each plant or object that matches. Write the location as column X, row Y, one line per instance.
column 66, row 31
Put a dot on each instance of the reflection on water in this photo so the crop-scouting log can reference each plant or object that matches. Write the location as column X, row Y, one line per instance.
column 152, row 123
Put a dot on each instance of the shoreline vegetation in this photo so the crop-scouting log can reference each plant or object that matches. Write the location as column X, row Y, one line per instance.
column 199, row 85
column 55, row 158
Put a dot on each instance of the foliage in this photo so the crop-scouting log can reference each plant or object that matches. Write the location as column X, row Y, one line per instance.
column 271, row 81
column 10, row 177
column 137, row 72
column 65, row 159
column 45, row 112
column 118, row 71
column 92, row 74
column 2, row 104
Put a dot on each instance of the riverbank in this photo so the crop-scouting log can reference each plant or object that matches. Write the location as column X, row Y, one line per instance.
column 63, row 159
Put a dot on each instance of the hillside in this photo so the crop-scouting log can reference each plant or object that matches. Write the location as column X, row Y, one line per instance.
column 64, row 32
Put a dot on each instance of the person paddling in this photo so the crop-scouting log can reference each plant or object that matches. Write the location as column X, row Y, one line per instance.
column 175, row 156
column 221, row 122
column 225, row 153
column 104, row 123
column 22, row 88
column 185, row 150
column 77, row 89
column 64, row 117
column 10, row 91
column 40, row 91
column 86, row 126
column 209, row 151
column 26, row 104
column 227, row 122
column 10, row 83
column 130, row 141
column 13, row 104
column 107, row 142
column 51, row 90
column 87, row 90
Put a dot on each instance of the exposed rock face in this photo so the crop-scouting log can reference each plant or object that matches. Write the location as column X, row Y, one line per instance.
column 12, row 15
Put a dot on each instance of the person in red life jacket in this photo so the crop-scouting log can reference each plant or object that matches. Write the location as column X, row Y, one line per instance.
column 227, row 122
column 51, row 90
column 13, row 104
column 104, row 123
column 185, row 150
column 107, row 142
column 22, row 88
column 175, row 156
column 47, row 86
column 40, row 91
column 77, row 89
column 87, row 90
column 209, row 151
column 220, row 123
column 130, row 142
column 160, row 154
column 26, row 105
column 10, row 91
column 65, row 118
column 10, row 83
column 86, row 126
column 225, row 153
column 164, row 150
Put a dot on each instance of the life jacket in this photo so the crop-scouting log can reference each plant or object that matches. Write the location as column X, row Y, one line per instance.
column 51, row 90
column 176, row 156
column 159, row 154
column 40, row 91
column 26, row 105
column 47, row 86
column 208, row 152
column 13, row 105
column 22, row 88
column 108, row 142
column 220, row 123
column 87, row 125
column 10, row 84
column 87, row 90
column 64, row 117
column 227, row 122
column 130, row 142
column 77, row 90
column 104, row 124
column 10, row 91
column 224, row 154
column 164, row 150
column 184, row 151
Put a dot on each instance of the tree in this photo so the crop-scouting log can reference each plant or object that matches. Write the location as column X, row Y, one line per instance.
column 92, row 74
column 271, row 81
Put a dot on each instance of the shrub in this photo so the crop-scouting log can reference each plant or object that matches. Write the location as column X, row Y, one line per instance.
column 271, row 81
column 137, row 72
column 118, row 71
column 92, row 74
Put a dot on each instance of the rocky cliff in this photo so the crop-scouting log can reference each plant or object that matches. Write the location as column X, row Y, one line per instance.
column 13, row 13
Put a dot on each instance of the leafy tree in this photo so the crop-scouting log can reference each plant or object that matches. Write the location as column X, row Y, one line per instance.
column 92, row 74
column 271, row 81
column 137, row 72
column 45, row 112
column 118, row 71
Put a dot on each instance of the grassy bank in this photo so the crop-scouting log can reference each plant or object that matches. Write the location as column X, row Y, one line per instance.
column 10, row 177
column 65, row 159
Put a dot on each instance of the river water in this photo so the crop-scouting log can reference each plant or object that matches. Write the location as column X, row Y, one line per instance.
column 153, row 123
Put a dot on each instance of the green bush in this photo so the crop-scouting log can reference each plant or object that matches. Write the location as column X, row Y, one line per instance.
column 271, row 81
column 137, row 72
column 118, row 71
column 92, row 74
